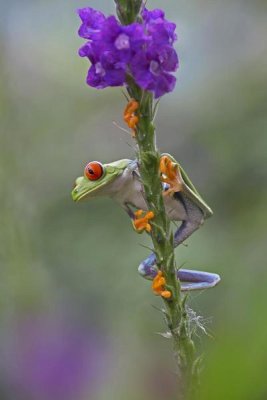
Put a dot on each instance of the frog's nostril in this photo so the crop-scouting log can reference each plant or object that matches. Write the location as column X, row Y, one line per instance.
column 75, row 192
column 75, row 188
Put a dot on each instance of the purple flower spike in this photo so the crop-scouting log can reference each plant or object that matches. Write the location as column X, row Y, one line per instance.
column 143, row 50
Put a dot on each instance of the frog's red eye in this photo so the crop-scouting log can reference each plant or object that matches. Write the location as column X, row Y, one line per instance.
column 93, row 170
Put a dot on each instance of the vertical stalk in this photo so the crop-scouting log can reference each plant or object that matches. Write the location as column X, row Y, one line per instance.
column 161, row 234
column 162, row 238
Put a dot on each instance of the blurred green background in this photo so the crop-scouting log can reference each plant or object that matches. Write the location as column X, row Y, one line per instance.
column 75, row 265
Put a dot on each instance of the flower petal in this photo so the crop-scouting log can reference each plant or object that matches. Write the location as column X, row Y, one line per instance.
column 92, row 21
column 164, row 84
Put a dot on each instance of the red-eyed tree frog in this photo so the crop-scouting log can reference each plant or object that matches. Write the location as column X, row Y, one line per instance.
column 121, row 181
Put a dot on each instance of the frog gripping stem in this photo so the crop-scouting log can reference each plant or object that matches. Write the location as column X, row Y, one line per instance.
column 136, row 51
column 189, row 279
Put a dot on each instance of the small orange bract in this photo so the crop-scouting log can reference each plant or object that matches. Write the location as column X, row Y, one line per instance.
column 129, row 115
column 158, row 286
column 141, row 221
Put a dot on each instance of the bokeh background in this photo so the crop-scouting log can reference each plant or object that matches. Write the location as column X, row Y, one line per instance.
column 77, row 322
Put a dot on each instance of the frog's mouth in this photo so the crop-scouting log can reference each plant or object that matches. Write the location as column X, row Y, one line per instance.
column 84, row 188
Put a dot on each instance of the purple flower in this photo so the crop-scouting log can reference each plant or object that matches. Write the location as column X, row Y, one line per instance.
column 152, row 15
column 161, row 30
column 106, row 70
column 143, row 50
column 151, row 69
column 92, row 21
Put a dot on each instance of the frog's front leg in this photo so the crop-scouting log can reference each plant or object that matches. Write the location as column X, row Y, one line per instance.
column 129, row 211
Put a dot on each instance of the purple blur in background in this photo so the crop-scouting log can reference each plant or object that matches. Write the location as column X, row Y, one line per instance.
column 49, row 360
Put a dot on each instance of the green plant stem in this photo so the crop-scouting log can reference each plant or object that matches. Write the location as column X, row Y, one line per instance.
column 128, row 10
column 161, row 235
column 162, row 238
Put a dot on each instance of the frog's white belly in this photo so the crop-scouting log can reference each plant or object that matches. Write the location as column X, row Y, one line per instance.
column 175, row 209
column 132, row 194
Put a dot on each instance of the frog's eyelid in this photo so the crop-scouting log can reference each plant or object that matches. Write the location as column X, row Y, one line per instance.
column 103, row 171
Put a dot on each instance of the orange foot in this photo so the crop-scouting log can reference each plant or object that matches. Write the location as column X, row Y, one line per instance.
column 141, row 221
column 158, row 286
column 170, row 173
column 129, row 115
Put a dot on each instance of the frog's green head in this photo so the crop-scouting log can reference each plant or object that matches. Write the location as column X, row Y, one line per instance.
column 98, row 179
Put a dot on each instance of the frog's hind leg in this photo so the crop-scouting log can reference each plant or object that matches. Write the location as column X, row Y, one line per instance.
column 194, row 220
column 197, row 280
column 190, row 280
column 148, row 269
